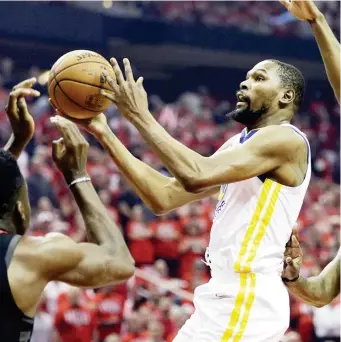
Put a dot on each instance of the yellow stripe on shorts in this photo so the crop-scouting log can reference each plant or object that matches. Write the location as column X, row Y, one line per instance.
column 248, row 306
column 253, row 224
column 234, row 318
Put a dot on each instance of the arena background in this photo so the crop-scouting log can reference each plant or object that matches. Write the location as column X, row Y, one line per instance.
column 193, row 56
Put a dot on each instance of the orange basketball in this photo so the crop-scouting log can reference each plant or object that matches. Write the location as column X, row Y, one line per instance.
column 75, row 82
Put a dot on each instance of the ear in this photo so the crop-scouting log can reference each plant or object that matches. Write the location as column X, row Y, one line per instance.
column 287, row 97
column 18, row 216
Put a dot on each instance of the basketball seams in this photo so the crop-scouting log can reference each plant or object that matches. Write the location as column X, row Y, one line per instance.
column 69, row 66
column 68, row 97
column 81, row 82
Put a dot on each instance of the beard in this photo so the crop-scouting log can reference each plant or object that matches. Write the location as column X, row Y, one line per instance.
column 245, row 115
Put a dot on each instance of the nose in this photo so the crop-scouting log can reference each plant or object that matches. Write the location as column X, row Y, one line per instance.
column 243, row 85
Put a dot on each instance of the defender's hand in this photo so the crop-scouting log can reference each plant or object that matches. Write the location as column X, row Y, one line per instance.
column 128, row 95
column 69, row 153
column 302, row 10
column 21, row 120
column 96, row 126
column 292, row 257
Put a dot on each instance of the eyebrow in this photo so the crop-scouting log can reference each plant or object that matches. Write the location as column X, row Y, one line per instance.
column 262, row 70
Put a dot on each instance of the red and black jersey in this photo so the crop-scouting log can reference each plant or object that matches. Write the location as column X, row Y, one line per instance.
column 14, row 325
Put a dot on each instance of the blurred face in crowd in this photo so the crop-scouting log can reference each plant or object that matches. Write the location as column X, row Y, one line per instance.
column 74, row 296
column 258, row 94
column 134, row 322
column 137, row 213
column 161, row 267
column 156, row 330
column 112, row 338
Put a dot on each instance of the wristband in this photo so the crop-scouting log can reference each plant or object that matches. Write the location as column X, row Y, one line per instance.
column 80, row 180
column 286, row 280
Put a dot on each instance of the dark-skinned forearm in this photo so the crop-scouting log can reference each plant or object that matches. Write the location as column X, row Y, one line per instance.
column 148, row 183
column 101, row 229
column 159, row 192
column 330, row 51
column 319, row 290
column 15, row 147
column 181, row 161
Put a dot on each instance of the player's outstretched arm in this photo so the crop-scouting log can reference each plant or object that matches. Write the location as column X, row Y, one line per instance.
column 106, row 260
column 267, row 150
column 19, row 117
column 317, row 291
column 160, row 193
column 328, row 44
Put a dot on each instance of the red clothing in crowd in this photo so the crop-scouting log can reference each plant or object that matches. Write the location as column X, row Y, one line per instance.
column 109, row 311
column 167, row 235
column 141, row 248
column 133, row 337
column 76, row 324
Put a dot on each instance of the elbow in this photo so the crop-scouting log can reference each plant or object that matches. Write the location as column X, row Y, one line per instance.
column 192, row 183
column 124, row 271
column 159, row 209
column 322, row 302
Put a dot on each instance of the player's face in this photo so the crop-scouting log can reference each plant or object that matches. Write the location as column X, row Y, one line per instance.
column 22, row 211
column 257, row 93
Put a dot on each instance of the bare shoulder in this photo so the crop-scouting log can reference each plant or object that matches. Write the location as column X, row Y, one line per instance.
column 35, row 261
column 281, row 140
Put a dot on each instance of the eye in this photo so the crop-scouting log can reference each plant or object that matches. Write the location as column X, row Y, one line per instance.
column 259, row 78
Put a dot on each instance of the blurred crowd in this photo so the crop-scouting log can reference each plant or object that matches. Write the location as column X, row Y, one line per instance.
column 168, row 250
column 260, row 17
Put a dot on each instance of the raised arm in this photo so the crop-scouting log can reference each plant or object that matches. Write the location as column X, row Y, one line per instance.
column 106, row 260
column 317, row 291
column 271, row 148
column 160, row 193
column 328, row 44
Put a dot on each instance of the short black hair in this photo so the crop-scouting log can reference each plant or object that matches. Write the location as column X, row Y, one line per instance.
column 291, row 77
column 11, row 180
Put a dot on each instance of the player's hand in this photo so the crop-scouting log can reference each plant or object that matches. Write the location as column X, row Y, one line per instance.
column 21, row 120
column 97, row 126
column 302, row 10
column 292, row 257
column 69, row 153
column 127, row 94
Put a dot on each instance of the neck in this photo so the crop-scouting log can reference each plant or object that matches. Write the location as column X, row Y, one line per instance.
column 269, row 119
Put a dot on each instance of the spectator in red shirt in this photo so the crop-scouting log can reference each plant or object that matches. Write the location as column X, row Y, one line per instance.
column 192, row 247
column 75, row 322
column 167, row 233
column 109, row 310
column 140, row 235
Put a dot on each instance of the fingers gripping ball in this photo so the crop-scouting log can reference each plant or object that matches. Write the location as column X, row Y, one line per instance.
column 75, row 83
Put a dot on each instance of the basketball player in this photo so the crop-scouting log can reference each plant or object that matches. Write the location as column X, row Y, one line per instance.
column 317, row 291
column 263, row 174
column 27, row 263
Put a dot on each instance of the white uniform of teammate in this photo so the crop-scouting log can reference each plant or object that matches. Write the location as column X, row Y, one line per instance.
column 245, row 300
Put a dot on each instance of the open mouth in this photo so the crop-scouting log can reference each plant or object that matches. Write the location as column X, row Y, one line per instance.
column 241, row 99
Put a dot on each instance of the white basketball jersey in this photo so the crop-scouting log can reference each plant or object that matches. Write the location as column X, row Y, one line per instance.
column 254, row 219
